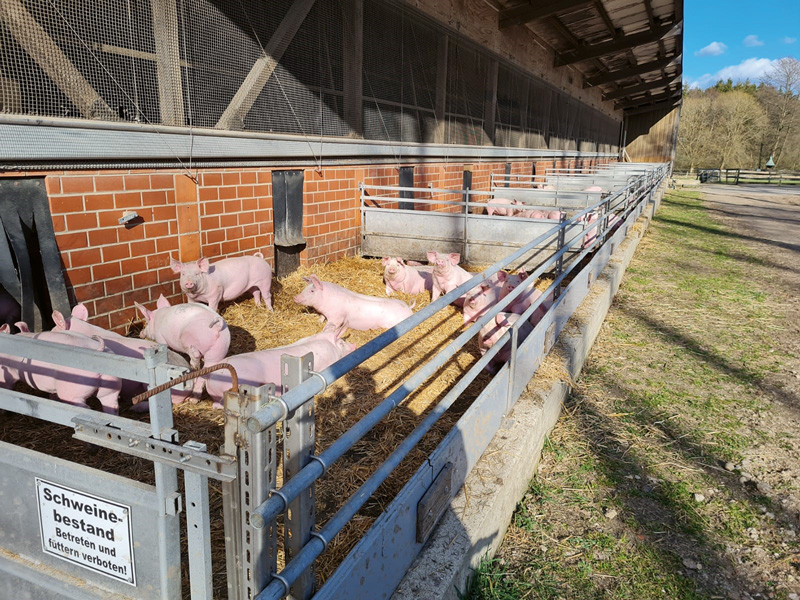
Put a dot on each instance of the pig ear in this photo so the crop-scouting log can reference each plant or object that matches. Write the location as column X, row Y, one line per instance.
column 162, row 302
column 385, row 261
column 59, row 320
column 22, row 326
column 432, row 257
column 5, row 328
column 202, row 264
column 500, row 319
column 315, row 280
column 485, row 286
column 81, row 312
column 143, row 311
column 100, row 341
column 455, row 257
column 502, row 276
column 176, row 265
column 400, row 261
column 523, row 275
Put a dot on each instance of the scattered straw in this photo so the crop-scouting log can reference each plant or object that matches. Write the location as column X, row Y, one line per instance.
column 338, row 409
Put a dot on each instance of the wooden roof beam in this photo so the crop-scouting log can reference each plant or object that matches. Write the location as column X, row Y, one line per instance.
column 534, row 10
column 641, row 69
column 642, row 87
column 606, row 18
column 618, row 45
column 652, row 107
column 672, row 94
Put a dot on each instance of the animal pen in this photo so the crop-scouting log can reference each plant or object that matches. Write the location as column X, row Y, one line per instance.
column 268, row 464
column 322, row 134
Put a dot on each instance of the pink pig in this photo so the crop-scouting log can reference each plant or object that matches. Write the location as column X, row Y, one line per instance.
column 357, row 311
column 491, row 333
column 447, row 275
column 524, row 300
column 497, row 206
column 193, row 329
column 401, row 277
column 481, row 299
column 226, row 279
column 591, row 236
column 264, row 366
column 73, row 386
column 123, row 346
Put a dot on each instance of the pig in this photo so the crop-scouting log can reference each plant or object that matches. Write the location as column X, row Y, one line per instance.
column 9, row 308
column 553, row 215
column 193, row 329
column 499, row 206
column 400, row 277
column 524, row 300
column 264, row 366
column 123, row 346
column 478, row 300
column 447, row 275
column 491, row 333
column 593, row 188
column 73, row 386
column 591, row 236
column 341, row 307
column 226, row 279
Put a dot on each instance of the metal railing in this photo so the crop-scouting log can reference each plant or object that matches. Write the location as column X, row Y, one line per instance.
column 295, row 578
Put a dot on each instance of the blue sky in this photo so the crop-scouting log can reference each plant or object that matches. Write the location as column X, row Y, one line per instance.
column 737, row 38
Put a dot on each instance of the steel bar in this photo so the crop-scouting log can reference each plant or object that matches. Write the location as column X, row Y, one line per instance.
column 198, row 532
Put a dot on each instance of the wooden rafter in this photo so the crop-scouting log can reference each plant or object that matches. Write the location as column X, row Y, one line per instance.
column 612, row 76
column 638, row 89
column 618, row 45
column 241, row 103
column 526, row 12
column 652, row 107
column 672, row 94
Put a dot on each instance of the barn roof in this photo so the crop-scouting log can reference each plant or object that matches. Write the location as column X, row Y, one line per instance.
column 631, row 49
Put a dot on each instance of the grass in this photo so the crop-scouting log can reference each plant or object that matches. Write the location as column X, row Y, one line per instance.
column 664, row 401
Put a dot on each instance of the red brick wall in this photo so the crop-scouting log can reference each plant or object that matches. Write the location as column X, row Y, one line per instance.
column 210, row 212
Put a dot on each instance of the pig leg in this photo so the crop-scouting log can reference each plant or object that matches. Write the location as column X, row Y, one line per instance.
column 216, row 296
column 262, row 289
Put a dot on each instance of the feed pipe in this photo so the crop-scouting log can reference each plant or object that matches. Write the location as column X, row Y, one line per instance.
column 279, row 587
column 317, row 466
column 319, row 541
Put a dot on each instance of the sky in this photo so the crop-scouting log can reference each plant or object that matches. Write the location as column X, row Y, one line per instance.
column 737, row 38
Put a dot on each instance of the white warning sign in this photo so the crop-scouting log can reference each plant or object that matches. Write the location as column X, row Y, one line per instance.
column 86, row 530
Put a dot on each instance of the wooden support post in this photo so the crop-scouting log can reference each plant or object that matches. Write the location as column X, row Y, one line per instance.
column 440, row 108
column 490, row 105
column 235, row 113
column 41, row 47
column 168, row 61
column 353, row 65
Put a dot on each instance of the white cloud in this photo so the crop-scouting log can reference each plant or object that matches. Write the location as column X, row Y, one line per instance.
column 752, row 40
column 713, row 49
column 789, row 40
column 752, row 69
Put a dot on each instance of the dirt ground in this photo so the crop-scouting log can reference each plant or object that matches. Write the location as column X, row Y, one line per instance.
column 675, row 470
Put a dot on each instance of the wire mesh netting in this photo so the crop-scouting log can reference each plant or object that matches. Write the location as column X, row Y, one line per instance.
column 280, row 66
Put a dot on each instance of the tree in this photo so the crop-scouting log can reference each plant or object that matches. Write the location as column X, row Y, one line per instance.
column 739, row 121
column 695, row 129
column 780, row 96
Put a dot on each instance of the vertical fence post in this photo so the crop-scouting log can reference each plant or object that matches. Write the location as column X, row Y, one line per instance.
column 562, row 232
column 166, row 479
column 465, row 253
column 251, row 554
column 198, row 531
column 298, row 446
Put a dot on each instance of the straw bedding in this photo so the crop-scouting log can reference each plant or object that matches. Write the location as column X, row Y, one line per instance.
column 339, row 408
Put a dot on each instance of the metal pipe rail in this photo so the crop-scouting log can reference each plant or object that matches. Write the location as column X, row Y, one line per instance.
column 302, row 480
column 291, row 489
column 277, row 409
